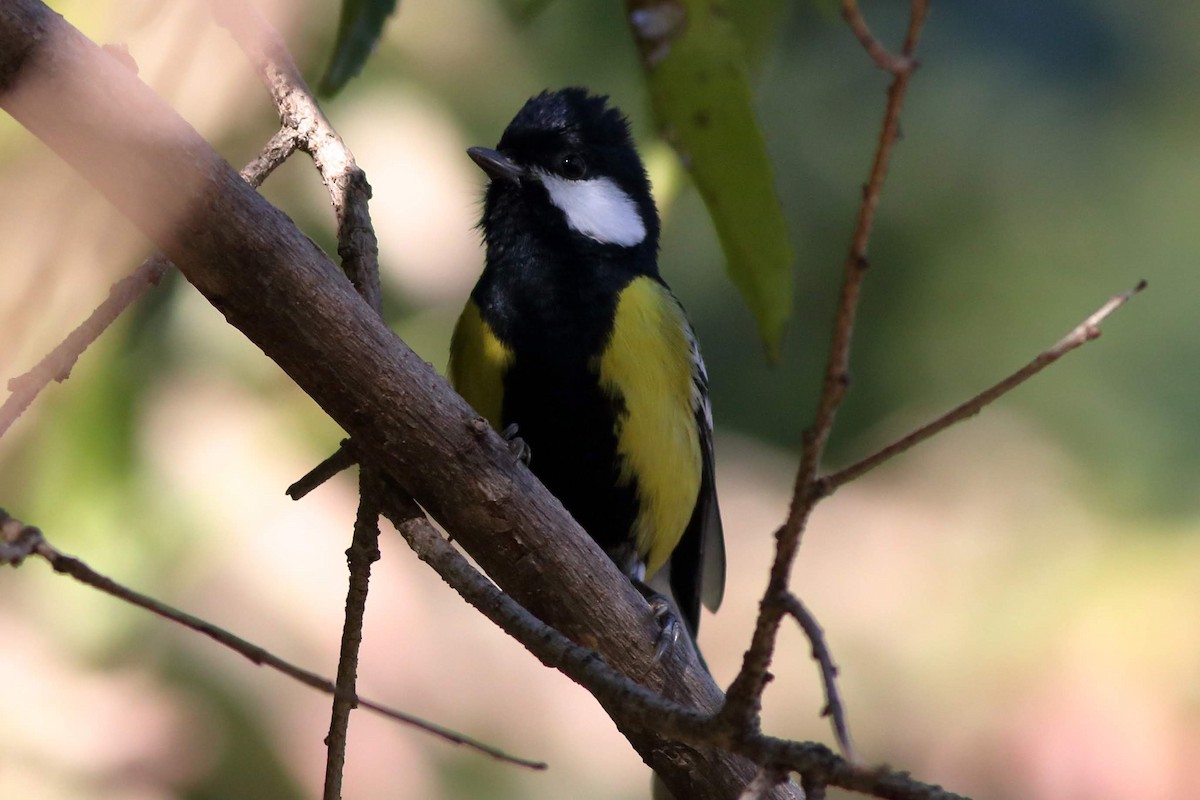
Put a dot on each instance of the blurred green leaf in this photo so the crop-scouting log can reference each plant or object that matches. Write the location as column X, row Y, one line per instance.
column 524, row 10
column 699, row 84
column 359, row 29
column 759, row 25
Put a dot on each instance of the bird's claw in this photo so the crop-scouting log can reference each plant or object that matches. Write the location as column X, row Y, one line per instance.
column 516, row 444
column 668, row 634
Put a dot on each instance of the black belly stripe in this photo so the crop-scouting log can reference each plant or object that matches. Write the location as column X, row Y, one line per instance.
column 568, row 424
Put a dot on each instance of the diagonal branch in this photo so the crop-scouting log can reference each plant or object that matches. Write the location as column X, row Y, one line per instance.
column 1080, row 335
column 58, row 363
column 632, row 704
column 19, row 541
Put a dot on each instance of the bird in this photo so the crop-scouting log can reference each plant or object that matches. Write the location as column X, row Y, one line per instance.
column 574, row 347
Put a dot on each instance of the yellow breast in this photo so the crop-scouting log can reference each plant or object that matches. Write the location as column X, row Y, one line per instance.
column 648, row 364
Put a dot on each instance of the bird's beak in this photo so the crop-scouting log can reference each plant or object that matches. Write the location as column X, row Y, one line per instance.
column 496, row 164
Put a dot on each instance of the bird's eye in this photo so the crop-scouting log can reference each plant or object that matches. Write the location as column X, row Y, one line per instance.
column 573, row 167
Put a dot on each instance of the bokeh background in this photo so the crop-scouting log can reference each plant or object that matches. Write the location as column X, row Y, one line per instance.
column 1015, row 606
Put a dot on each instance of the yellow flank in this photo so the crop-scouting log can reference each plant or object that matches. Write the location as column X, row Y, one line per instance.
column 648, row 363
column 478, row 360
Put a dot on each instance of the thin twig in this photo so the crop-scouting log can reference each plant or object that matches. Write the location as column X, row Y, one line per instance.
column 1080, row 335
column 279, row 148
column 820, row 652
column 744, row 698
column 58, row 363
column 875, row 48
column 299, row 111
column 349, row 192
column 18, row 540
column 362, row 553
column 342, row 459
column 837, row 373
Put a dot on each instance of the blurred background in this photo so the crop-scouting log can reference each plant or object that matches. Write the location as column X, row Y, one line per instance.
column 1015, row 606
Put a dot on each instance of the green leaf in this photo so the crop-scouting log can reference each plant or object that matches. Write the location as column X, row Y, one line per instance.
column 359, row 29
column 700, row 88
column 523, row 11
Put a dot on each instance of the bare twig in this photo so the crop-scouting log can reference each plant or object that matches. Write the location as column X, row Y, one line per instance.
column 342, row 459
column 362, row 553
column 837, row 375
column 820, row 651
column 306, row 127
column 1080, row 335
column 744, row 699
column 301, row 115
column 278, row 149
column 58, row 363
column 896, row 65
column 627, row 701
column 17, row 538
column 584, row 666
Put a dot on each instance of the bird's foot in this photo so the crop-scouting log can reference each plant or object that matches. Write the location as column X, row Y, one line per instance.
column 668, row 624
column 516, row 444
column 664, row 614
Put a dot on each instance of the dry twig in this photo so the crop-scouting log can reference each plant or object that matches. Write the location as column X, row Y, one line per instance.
column 58, row 363
column 362, row 553
column 19, row 541
column 820, row 651
column 744, row 699
column 1080, row 335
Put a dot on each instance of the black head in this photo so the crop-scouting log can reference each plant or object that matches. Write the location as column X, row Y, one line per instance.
column 567, row 174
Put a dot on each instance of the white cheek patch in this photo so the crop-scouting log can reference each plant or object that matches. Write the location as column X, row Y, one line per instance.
column 597, row 208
